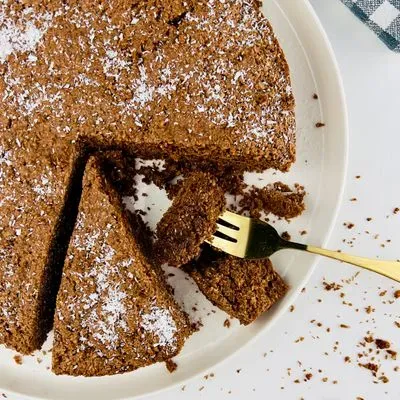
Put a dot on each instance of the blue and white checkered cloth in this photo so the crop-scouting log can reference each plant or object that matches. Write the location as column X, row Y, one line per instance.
column 382, row 16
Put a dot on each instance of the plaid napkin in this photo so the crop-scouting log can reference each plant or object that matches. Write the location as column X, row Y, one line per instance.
column 382, row 16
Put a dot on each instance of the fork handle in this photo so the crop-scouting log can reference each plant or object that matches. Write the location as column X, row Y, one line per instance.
column 391, row 269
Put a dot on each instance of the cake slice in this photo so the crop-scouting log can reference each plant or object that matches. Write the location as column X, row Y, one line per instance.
column 39, row 194
column 244, row 289
column 190, row 220
column 114, row 311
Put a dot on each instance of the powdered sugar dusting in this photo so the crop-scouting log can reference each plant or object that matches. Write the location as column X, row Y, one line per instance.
column 222, row 90
column 101, row 310
column 253, row 114
column 103, row 305
column 22, row 200
column 159, row 321
column 7, row 308
column 22, row 35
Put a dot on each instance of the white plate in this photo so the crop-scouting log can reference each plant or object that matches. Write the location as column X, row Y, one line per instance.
column 320, row 166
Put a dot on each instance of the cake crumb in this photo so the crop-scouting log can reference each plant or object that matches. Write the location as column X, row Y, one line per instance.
column 319, row 125
column 369, row 219
column 276, row 198
column 369, row 309
column 291, row 308
column 315, row 96
column 345, row 326
column 392, row 353
column 171, row 365
column 382, row 344
column 286, row 236
column 227, row 323
column 331, row 286
column 369, row 339
column 370, row 366
column 396, row 210
column 381, row 294
column 397, row 294
column 201, row 388
column 349, row 225
column 18, row 359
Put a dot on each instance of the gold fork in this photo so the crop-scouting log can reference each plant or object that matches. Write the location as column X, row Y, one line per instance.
column 251, row 238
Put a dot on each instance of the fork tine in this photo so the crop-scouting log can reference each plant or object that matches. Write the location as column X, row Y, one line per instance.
column 239, row 231
column 231, row 217
column 228, row 231
column 227, row 246
column 236, row 220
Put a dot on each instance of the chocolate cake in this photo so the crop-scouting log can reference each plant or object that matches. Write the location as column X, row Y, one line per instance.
column 190, row 220
column 242, row 288
column 182, row 80
column 114, row 312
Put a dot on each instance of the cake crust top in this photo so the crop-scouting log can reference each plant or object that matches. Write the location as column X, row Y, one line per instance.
column 186, row 76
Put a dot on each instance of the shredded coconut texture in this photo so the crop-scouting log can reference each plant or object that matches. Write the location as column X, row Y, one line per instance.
column 160, row 322
column 23, row 34
column 101, row 310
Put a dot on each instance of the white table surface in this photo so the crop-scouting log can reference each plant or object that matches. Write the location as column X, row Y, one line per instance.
column 371, row 75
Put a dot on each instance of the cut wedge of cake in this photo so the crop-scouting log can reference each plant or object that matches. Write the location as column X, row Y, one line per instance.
column 244, row 289
column 114, row 311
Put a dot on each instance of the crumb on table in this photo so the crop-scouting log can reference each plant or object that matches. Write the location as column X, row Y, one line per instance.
column 18, row 359
column 382, row 344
